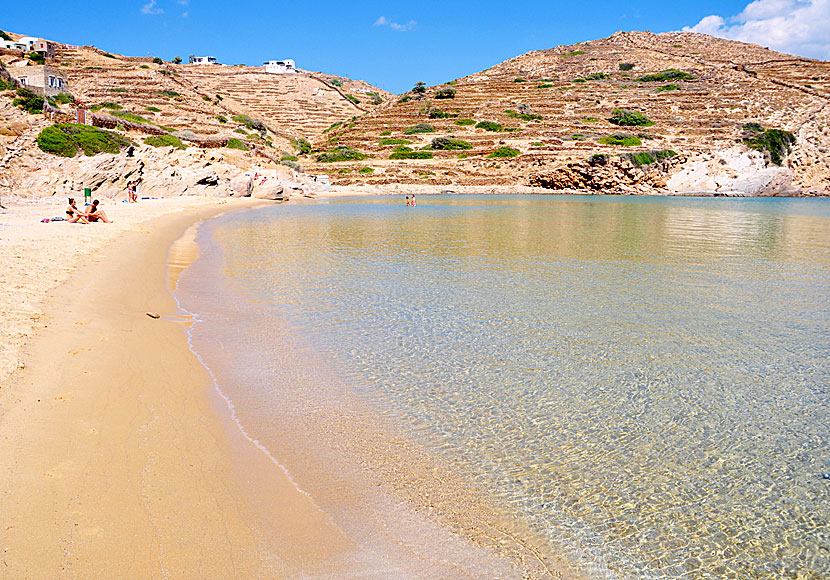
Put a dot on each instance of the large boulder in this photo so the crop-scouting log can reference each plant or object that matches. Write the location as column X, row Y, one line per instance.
column 242, row 186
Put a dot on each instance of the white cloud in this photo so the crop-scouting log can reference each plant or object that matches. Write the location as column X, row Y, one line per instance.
column 799, row 27
column 383, row 21
column 151, row 9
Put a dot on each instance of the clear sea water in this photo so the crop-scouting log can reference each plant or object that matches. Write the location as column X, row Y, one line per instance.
column 644, row 382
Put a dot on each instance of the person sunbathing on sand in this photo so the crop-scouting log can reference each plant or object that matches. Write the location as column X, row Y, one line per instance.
column 94, row 214
column 73, row 214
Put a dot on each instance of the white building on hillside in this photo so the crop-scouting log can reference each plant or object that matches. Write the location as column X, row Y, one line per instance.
column 204, row 60
column 280, row 67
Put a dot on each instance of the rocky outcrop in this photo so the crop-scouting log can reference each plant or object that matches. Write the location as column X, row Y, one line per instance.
column 732, row 171
column 605, row 174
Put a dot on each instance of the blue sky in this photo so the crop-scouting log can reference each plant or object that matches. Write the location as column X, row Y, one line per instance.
column 395, row 44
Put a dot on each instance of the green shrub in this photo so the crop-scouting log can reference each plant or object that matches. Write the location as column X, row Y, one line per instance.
column 405, row 99
column 157, row 60
column 449, row 144
column 206, row 98
column 236, row 144
column 36, row 57
column 629, row 118
column 250, row 123
column 385, row 133
column 447, row 93
column 66, row 139
column 451, row 83
column 288, row 157
column 353, row 99
column 523, row 116
column 28, row 101
column 166, row 93
column 302, row 146
column 577, row 137
column 626, row 66
column 436, row 113
column 336, row 82
column 333, row 126
column 385, row 142
column 773, row 143
column 176, row 60
column 106, row 105
column 419, row 128
column 489, row 126
column 5, row 36
column 144, row 66
column 165, row 141
column 6, row 86
column 108, row 55
column 221, row 118
column 598, row 76
column 519, row 80
column 420, row 88
column 132, row 117
column 599, row 159
column 667, row 75
column 241, row 131
column 621, row 139
column 64, row 98
column 465, row 122
column 366, row 170
column 572, row 53
column 671, row 87
column 641, row 158
column 545, row 86
column 404, row 152
column 341, row 153
column 590, row 120
column 505, row 152
column 537, row 144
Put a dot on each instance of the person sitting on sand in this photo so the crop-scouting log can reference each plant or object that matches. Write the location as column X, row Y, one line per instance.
column 94, row 214
column 73, row 214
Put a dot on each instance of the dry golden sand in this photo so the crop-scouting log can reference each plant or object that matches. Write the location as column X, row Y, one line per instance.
column 113, row 461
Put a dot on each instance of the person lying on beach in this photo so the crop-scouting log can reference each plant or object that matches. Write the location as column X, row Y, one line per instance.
column 93, row 213
column 73, row 214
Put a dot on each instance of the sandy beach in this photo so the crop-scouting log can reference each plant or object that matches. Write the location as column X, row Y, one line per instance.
column 118, row 459
column 113, row 462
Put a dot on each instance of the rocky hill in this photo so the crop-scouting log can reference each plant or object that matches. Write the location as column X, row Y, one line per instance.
column 272, row 116
column 696, row 94
column 633, row 113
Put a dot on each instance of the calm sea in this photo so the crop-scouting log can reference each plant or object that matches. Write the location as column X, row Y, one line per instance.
column 641, row 382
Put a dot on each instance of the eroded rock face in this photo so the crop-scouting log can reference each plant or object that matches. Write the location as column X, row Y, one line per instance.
column 734, row 170
column 611, row 175
column 160, row 172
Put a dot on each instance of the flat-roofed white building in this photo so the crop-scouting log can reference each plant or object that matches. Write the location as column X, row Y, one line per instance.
column 280, row 67
column 204, row 60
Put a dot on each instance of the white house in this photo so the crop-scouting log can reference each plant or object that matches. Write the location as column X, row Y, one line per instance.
column 280, row 67
column 29, row 41
column 205, row 60
column 13, row 45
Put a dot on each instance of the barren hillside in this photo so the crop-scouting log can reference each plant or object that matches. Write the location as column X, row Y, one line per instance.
column 554, row 107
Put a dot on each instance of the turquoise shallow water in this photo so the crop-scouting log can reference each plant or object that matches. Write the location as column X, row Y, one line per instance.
column 644, row 381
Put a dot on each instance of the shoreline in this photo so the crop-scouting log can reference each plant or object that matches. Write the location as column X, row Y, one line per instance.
column 119, row 461
column 115, row 463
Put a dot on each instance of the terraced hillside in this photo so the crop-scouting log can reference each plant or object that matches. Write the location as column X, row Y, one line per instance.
column 554, row 107
column 204, row 99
